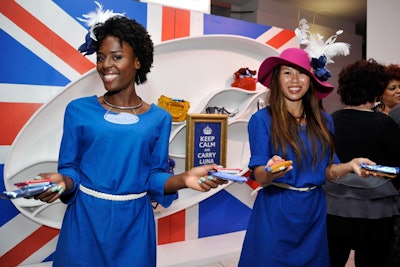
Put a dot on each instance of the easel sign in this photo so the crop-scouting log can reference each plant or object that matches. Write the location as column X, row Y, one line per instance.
column 206, row 139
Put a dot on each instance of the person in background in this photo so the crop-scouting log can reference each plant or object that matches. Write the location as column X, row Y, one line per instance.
column 360, row 211
column 395, row 114
column 113, row 158
column 389, row 105
column 391, row 95
column 287, row 226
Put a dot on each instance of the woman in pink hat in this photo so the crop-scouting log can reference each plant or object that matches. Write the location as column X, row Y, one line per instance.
column 287, row 226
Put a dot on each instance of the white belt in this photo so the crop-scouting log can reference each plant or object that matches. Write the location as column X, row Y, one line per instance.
column 105, row 196
column 285, row 186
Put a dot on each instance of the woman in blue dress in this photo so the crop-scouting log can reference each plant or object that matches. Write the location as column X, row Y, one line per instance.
column 287, row 226
column 113, row 159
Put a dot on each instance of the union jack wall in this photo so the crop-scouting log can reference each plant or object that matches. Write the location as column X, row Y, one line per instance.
column 38, row 46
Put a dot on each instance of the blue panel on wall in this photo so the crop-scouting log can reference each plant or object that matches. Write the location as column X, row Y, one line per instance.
column 222, row 25
column 132, row 9
column 7, row 209
column 49, row 258
column 222, row 213
column 40, row 73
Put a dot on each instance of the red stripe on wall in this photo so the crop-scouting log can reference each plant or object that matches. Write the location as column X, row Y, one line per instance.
column 13, row 118
column 28, row 246
column 172, row 228
column 175, row 23
column 281, row 38
column 168, row 23
column 182, row 23
column 45, row 36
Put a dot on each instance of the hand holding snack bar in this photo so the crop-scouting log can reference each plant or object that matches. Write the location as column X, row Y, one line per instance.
column 276, row 167
column 277, row 164
column 379, row 170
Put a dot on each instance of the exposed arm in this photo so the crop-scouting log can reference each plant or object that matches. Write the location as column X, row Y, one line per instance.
column 335, row 171
column 191, row 178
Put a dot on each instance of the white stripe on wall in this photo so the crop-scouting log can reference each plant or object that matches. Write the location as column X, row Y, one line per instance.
column 192, row 222
column 23, row 93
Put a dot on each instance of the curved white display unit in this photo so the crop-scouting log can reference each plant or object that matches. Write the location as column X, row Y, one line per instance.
column 193, row 68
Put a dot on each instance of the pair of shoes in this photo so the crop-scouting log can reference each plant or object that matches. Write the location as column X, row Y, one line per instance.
column 218, row 110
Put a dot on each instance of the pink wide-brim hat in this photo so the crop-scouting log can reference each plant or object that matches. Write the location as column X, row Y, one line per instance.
column 293, row 57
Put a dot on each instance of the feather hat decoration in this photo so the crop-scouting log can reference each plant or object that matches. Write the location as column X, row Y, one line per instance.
column 93, row 20
column 320, row 52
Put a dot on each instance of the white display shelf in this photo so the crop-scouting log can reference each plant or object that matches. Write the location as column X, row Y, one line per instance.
column 189, row 68
column 232, row 98
column 177, row 141
column 238, row 150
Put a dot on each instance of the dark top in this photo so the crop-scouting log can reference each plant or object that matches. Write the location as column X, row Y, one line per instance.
column 372, row 135
column 395, row 114
column 375, row 136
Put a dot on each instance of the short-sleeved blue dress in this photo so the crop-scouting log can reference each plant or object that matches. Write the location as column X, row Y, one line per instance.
column 286, row 227
column 116, row 159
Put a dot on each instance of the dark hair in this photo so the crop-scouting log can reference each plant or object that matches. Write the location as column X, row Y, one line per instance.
column 135, row 35
column 362, row 82
column 393, row 71
column 285, row 128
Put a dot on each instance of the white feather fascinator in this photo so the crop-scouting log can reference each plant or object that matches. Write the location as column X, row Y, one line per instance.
column 93, row 20
column 320, row 52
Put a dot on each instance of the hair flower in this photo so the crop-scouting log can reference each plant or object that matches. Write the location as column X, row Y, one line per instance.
column 319, row 51
column 318, row 64
column 87, row 47
column 93, row 20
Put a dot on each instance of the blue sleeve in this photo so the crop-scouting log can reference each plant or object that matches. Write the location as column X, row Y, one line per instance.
column 259, row 139
column 69, row 155
column 159, row 170
column 331, row 127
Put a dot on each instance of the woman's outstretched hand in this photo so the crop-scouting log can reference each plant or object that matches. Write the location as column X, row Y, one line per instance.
column 199, row 178
column 53, row 193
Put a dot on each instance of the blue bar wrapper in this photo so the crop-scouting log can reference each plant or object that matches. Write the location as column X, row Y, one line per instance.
column 229, row 177
column 26, row 192
column 381, row 168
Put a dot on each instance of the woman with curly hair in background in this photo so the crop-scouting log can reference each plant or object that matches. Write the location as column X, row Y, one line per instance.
column 361, row 211
column 390, row 98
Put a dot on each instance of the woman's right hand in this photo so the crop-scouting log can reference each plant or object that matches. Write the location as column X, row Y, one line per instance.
column 264, row 177
column 53, row 193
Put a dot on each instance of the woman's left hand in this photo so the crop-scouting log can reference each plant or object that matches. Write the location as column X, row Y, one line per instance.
column 198, row 178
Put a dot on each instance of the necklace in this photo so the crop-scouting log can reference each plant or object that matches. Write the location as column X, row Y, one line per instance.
column 122, row 107
column 302, row 119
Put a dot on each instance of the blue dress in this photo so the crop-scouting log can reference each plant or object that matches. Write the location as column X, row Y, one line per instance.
column 286, row 227
column 115, row 159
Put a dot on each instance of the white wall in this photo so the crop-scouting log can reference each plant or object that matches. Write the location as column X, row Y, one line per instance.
column 284, row 16
column 383, row 32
